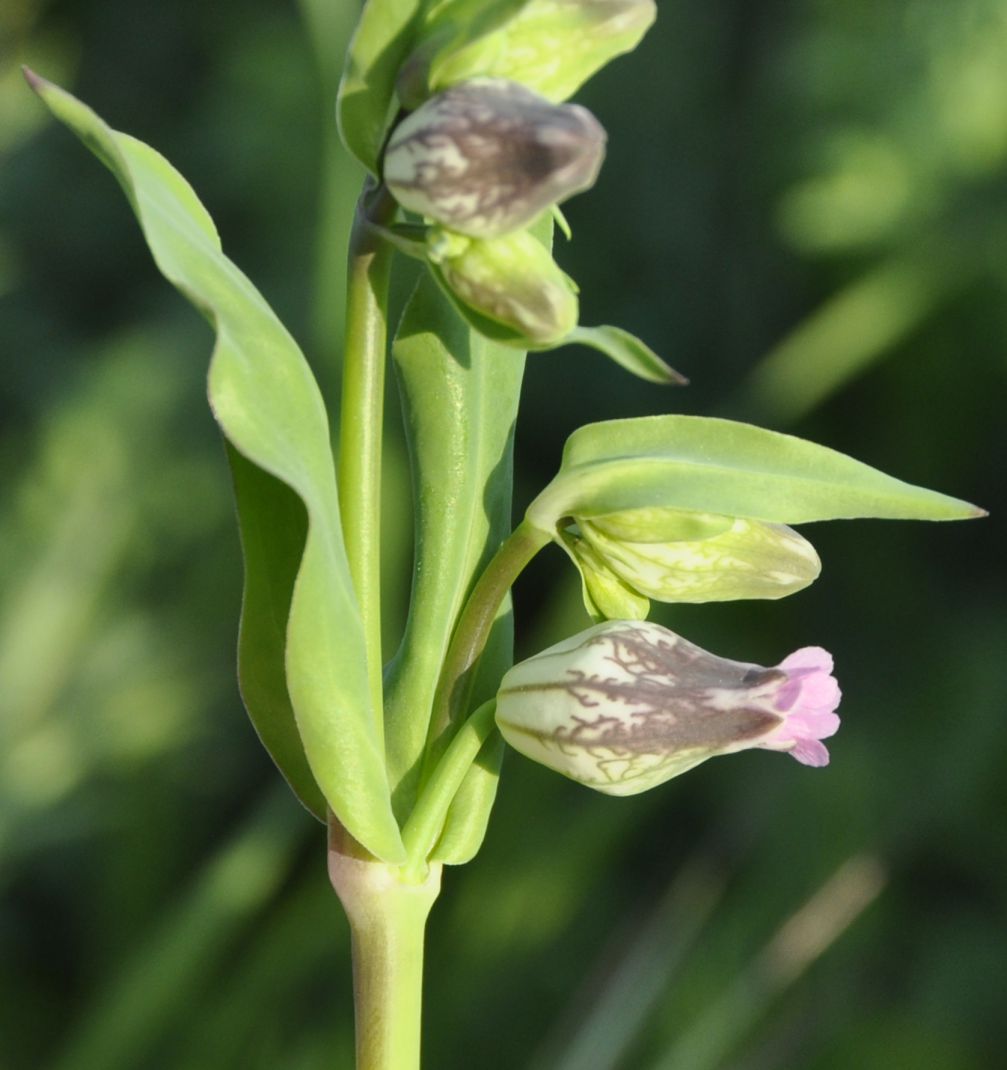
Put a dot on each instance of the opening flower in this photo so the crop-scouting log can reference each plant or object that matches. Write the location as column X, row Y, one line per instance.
column 627, row 705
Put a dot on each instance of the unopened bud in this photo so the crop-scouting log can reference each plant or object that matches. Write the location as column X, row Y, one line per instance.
column 627, row 705
column 488, row 157
column 513, row 281
column 551, row 46
column 676, row 556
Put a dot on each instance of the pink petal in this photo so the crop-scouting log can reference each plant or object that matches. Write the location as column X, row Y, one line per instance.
column 820, row 693
column 808, row 657
column 807, row 698
column 810, row 724
column 810, row 752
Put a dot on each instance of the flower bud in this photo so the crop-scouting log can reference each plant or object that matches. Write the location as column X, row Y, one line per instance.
column 550, row 46
column 513, row 281
column 675, row 556
column 627, row 705
column 488, row 157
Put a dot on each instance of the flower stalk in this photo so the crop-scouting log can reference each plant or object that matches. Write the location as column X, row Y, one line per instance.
column 473, row 629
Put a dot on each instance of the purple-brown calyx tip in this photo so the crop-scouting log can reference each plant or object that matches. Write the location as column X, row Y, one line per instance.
column 35, row 81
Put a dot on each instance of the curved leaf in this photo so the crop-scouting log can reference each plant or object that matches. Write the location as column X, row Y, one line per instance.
column 628, row 352
column 379, row 47
column 720, row 466
column 469, row 814
column 273, row 527
column 268, row 404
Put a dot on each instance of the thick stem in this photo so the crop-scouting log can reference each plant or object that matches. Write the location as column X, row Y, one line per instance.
column 360, row 424
column 387, row 916
column 473, row 629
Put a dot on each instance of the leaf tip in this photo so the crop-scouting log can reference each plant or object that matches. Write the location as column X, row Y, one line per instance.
column 35, row 81
column 962, row 510
column 662, row 373
column 675, row 378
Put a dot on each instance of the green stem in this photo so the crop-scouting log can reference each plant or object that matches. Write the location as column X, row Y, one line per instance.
column 427, row 819
column 473, row 629
column 360, row 424
column 387, row 916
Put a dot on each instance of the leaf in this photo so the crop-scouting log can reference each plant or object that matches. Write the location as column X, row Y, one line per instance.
column 267, row 402
column 380, row 45
column 469, row 813
column 460, row 23
column 460, row 396
column 719, row 466
column 628, row 352
column 273, row 526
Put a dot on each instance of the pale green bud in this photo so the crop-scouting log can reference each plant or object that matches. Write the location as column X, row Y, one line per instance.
column 675, row 556
column 512, row 281
column 552, row 46
column 488, row 157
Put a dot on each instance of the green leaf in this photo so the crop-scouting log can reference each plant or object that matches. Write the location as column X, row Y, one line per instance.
column 273, row 526
column 266, row 400
column 459, row 395
column 628, row 352
column 380, row 45
column 469, row 813
column 553, row 48
column 719, row 466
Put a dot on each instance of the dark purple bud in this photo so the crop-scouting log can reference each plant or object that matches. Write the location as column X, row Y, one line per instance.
column 488, row 157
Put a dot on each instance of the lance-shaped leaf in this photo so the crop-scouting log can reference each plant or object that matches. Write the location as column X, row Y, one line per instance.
column 273, row 526
column 460, row 396
column 541, row 298
column 628, row 352
column 551, row 46
column 380, row 44
column 720, row 466
column 267, row 402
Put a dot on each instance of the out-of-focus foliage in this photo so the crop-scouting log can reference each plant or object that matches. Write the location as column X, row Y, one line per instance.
column 803, row 209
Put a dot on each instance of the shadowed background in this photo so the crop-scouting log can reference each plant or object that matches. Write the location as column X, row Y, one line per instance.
column 805, row 210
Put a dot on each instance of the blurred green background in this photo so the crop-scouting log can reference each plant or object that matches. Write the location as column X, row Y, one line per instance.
column 805, row 210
